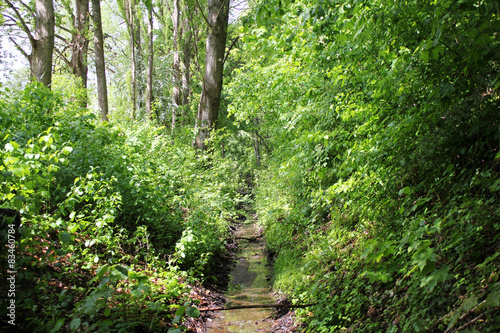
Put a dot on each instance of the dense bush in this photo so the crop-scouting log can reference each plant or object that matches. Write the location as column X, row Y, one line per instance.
column 381, row 198
column 117, row 220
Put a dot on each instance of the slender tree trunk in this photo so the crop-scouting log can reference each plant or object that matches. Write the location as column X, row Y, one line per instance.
column 129, row 15
column 43, row 42
column 100, row 69
column 208, row 112
column 256, row 145
column 176, row 92
column 80, row 46
column 149, row 78
column 186, row 67
column 138, row 63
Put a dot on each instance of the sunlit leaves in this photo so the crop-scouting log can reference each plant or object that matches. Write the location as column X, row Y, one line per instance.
column 394, row 86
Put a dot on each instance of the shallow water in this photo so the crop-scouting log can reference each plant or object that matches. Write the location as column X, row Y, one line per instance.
column 248, row 286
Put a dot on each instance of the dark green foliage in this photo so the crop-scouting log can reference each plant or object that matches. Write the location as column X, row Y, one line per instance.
column 117, row 221
column 381, row 196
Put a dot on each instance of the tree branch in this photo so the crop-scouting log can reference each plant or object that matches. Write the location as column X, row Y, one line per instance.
column 263, row 142
column 65, row 29
column 62, row 38
column 221, row 6
column 257, row 306
column 62, row 56
column 204, row 17
column 28, row 8
column 23, row 23
column 229, row 50
column 19, row 48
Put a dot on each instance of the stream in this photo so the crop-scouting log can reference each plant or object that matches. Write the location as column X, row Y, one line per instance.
column 248, row 285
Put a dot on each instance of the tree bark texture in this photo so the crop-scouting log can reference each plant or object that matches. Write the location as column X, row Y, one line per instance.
column 80, row 45
column 41, row 41
column 186, row 65
column 102, row 91
column 129, row 6
column 208, row 111
column 176, row 91
column 149, row 74
column 139, row 73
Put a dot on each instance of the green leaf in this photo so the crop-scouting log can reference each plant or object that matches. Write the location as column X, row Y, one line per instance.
column 67, row 150
column 101, row 271
column 454, row 318
column 422, row 257
column 9, row 147
column 437, row 276
column 193, row 312
column 493, row 298
column 65, row 237
column 107, row 312
column 406, row 190
column 148, row 4
column 174, row 330
column 75, row 324
column 424, row 56
column 58, row 326
column 180, row 311
column 122, row 270
column 18, row 201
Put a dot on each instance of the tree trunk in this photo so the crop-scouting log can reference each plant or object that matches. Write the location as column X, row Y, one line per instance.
column 256, row 145
column 138, row 63
column 176, row 92
column 129, row 16
column 186, row 64
column 43, row 42
column 149, row 74
column 100, row 69
column 80, row 46
column 208, row 112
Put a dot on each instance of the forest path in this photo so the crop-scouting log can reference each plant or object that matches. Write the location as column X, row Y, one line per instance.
column 248, row 285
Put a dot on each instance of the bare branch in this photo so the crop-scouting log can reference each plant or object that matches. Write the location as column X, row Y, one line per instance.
column 230, row 48
column 19, row 48
column 28, row 8
column 64, row 29
column 263, row 142
column 204, row 17
column 10, row 18
column 23, row 23
column 256, row 306
column 62, row 38
column 62, row 56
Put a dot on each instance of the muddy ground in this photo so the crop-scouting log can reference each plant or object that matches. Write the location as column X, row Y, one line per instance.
column 214, row 295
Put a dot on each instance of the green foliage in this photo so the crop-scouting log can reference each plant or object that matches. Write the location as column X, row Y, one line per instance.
column 104, row 207
column 380, row 198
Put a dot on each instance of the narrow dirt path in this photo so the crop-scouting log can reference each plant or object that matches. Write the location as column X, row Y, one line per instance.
column 248, row 285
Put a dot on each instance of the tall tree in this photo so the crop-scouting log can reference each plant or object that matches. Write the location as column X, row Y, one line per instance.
column 149, row 74
column 100, row 69
column 41, row 41
column 208, row 111
column 129, row 9
column 80, row 45
column 176, row 92
column 186, row 57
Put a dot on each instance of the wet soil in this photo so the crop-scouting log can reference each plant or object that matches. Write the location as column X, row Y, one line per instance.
column 242, row 277
column 248, row 285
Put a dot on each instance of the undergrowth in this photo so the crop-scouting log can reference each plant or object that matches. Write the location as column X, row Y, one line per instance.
column 116, row 221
